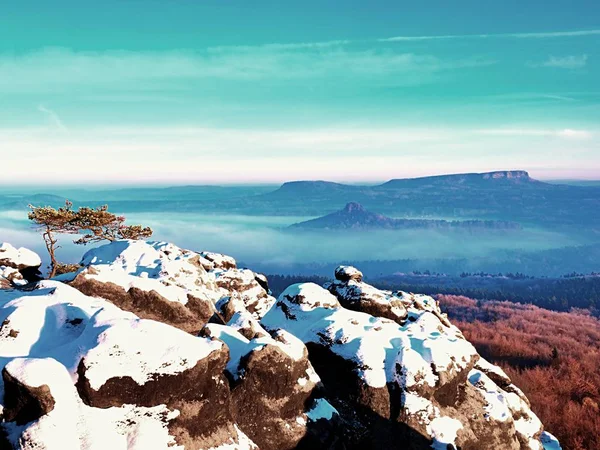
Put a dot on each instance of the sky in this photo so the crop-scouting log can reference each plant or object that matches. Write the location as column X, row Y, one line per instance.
column 183, row 91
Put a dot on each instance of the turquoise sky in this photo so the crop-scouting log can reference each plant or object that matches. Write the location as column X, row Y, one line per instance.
column 231, row 91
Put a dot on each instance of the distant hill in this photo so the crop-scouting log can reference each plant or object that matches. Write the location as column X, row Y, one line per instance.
column 20, row 201
column 489, row 179
column 355, row 216
column 512, row 196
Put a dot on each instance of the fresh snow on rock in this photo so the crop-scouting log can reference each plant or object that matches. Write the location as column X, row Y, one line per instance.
column 550, row 442
column 377, row 345
column 96, row 371
column 322, row 409
column 143, row 350
column 150, row 266
column 18, row 257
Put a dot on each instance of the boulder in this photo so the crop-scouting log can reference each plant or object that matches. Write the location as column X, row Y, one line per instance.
column 18, row 266
column 78, row 372
column 354, row 294
column 272, row 383
column 419, row 376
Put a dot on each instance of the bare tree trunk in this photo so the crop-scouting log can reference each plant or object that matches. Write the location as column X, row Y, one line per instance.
column 50, row 246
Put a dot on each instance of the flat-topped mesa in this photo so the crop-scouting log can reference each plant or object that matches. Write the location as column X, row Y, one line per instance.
column 509, row 174
column 513, row 176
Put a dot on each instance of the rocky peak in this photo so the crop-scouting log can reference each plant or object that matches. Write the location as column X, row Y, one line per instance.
column 353, row 207
column 156, row 347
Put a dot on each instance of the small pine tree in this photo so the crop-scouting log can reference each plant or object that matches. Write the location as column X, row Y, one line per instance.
column 98, row 224
column 51, row 222
column 102, row 225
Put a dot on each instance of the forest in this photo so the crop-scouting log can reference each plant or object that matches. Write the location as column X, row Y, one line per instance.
column 556, row 294
column 552, row 356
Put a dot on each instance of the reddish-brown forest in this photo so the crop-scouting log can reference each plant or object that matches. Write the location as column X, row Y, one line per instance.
column 553, row 357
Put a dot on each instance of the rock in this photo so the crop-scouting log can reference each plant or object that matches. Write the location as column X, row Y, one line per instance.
column 18, row 266
column 220, row 261
column 160, row 281
column 354, row 294
column 24, row 400
column 80, row 370
column 248, row 289
column 272, row 382
column 351, row 367
column 419, row 374
column 347, row 273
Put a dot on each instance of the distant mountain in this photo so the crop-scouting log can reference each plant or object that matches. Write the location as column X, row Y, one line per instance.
column 512, row 196
column 466, row 179
column 355, row 216
column 20, row 201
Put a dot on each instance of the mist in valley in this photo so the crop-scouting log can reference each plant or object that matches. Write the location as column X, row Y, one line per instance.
column 266, row 244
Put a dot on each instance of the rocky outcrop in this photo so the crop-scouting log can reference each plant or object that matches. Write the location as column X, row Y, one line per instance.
column 160, row 281
column 353, row 294
column 420, row 375
column 109, row 357
column 18, row 266
column 89, row 374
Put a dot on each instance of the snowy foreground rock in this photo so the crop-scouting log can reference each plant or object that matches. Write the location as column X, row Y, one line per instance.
column 149, row 346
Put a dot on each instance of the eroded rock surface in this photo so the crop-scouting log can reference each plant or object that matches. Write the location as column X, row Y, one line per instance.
column 149, row 346
column 160, row 281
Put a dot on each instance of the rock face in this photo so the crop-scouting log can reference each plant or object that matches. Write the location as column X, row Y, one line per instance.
column 149, row 346
column 160, row 281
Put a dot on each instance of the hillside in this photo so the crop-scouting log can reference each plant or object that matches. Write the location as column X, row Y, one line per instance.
column 354, row 216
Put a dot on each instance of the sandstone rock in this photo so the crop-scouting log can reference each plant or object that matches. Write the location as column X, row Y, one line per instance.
column 18, row 266
column 354, row 294
column 272, row 382
column 94, row 377
column 419, row 375
column 160, row 281
column 354, row 367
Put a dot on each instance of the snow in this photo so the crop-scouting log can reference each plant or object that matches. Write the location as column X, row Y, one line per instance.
column 239, row 346
column 13, row 276
column 497, row 405
column 377, row 345
column 549, row 442
column 56, row 327
column 443, row 430
column 347, row 273
column 72, row 425
column 220, row 261
column 321, row 409
column 19, row 256
column 150, row 266
column 142, row 350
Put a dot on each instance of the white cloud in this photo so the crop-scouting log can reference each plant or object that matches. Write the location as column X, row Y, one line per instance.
column 204, row 155
column 566, row 133
column 53, row 117
column 54, row 69
column 566, row 62
column 554, row 34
